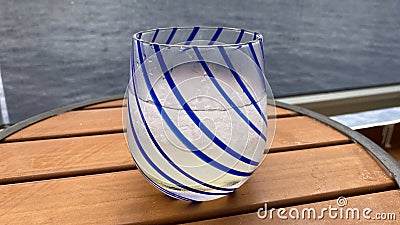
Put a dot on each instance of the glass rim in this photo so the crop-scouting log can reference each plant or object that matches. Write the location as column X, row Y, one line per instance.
column 258, row 36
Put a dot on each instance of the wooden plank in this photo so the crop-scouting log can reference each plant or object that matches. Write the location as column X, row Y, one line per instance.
column 280, row 112
column 46, row 159
column 382, row 202
column 304, row 132
column 387, row 136
column 109, row 104
column 395, row 153
column 125, row 197
column 74, row 123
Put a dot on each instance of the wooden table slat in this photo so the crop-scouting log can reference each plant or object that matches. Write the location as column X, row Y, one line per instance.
column 45, row 159
column 109, row 104
column 280, row 112
column 122, row 197
column 381, row 202
column 74, row 123
column 303, row 132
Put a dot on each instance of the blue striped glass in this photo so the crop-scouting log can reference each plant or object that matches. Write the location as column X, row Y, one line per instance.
column 198, row 116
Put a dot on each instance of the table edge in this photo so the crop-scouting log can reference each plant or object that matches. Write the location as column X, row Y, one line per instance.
column 387, row 162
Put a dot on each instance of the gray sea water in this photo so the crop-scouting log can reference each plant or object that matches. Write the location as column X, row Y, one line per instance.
column 54, row 53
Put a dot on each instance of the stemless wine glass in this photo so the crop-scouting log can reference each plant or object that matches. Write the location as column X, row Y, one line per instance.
column 196, row 119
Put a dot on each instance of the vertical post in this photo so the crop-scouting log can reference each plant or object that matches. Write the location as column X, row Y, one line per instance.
column 3, row 104
column 387, row 133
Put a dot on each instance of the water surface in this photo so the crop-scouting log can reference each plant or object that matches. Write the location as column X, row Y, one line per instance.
column 54, row 53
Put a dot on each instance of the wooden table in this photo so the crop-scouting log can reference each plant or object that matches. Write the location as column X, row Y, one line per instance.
column 72, row 166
